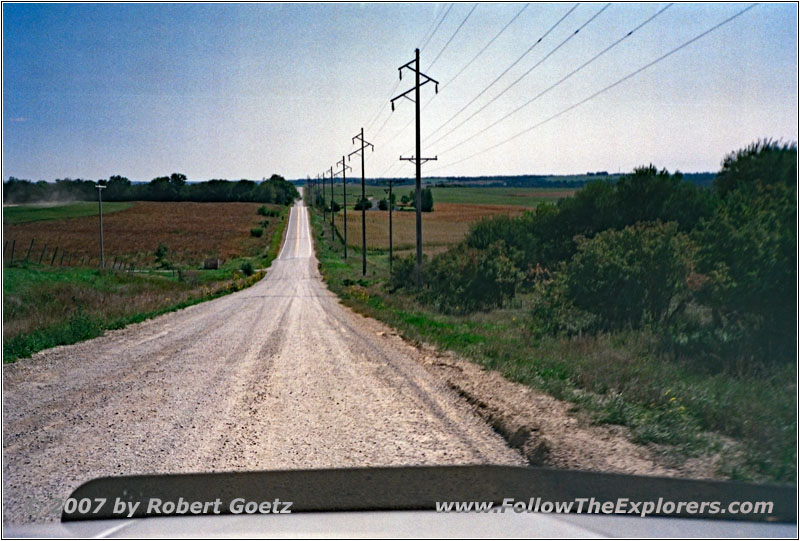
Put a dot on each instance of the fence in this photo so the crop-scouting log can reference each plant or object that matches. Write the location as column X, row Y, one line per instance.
column 61, row 258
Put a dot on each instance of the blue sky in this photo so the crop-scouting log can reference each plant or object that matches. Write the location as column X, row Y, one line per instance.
column 248, row 90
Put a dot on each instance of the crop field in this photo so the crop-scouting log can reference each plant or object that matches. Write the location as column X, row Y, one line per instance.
column 523, row 197
column 18, row 214
column 191, row 231
column 447, row 225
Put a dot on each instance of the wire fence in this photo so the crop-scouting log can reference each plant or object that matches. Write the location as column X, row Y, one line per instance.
column 55, row 256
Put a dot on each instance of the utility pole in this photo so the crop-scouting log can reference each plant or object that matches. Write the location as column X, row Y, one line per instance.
column 364, row 144
column 332, row 226
column 391, row 206
column 324, row 212
column 344, row 199
column 418, row 158
column 100, row 213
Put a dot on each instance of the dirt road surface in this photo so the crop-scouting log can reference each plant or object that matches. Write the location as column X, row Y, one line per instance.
column 277, row 376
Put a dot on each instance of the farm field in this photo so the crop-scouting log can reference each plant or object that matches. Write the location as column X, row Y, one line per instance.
column 17, row 214
column 61, row 301
column 191, row 231
column 523, row 197
column 447, row 225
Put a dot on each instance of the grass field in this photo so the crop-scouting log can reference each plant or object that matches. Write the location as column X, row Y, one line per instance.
column 744, row 427
column 447, row 225
column 46, row 306
column 455, row 209
column 522, row 197
column 19, row 214
column 191, row 231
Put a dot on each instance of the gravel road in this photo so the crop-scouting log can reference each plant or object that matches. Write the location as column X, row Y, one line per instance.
column 278, row 376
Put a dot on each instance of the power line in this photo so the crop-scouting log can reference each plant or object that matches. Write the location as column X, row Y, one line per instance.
column 507, row 88
column 506, row 70
column 437, row 26
column 554, row 85
column 474, row 58
column 607, row 88
column 462, row 70
column 454, row 35
column 397, row 82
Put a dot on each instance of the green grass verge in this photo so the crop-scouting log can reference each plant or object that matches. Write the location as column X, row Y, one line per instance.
column 621, row 378
column 46, row 307
column 37, row 213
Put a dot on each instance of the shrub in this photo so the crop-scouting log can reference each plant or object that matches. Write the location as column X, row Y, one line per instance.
column 161, row 256
column 264, row 211
column 632, row 276
column 465, row 279
column 363, row 204
column 256, row 232
column 247, row 268
column 383, row 204
column 748, row 251
column 402, row 273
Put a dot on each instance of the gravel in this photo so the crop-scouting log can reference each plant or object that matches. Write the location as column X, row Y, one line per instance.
column 277, row 376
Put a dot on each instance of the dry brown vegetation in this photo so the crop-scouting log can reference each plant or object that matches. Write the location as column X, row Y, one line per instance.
column 446, row 225
column 192, row 231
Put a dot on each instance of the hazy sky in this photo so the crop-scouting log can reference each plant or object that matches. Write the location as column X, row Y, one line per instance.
column 247, row 90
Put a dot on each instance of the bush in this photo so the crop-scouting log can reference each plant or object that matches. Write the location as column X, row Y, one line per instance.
column 748, row 252
column 264, row 211
column 247, row 268
column 631, row 277
column 256, row 232
column 363, row 204
column 402, row 273
column 383, row 204
column 161, row 256
column 464, row 279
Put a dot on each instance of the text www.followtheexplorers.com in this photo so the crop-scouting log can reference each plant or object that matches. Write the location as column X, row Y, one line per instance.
column 622, row 506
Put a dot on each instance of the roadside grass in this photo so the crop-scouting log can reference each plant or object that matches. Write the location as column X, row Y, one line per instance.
column 46, row 306
column 745, row 423
column 20, row 214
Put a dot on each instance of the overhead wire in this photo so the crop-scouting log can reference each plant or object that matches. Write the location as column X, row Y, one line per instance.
column 563, row 79
column 517, row 61
column 521, row 77
column 604, row 89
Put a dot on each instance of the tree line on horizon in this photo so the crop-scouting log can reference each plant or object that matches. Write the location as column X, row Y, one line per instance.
column 175, row 187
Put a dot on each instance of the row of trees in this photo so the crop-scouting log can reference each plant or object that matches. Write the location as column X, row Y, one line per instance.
column 172, row 188
column 713, row 269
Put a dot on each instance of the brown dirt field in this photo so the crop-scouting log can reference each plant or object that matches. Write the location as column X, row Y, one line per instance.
column 192, row 231
column 446, row 225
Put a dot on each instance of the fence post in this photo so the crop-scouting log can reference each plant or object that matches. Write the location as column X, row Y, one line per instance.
column 13, row 244
column 30, row 247
column 52, row 261
column 69, row 261
column 114, row 264
column 42, row 256
column 4, row 248
column 61, row 261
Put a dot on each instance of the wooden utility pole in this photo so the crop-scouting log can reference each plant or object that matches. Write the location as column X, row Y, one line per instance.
column 332, row 225
column 360, row 151
column 345, row 167
column 418, row 160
